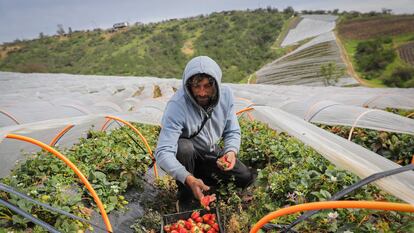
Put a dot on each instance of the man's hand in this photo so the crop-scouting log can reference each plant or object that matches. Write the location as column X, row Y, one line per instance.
column 227, row 161
column 197, row 186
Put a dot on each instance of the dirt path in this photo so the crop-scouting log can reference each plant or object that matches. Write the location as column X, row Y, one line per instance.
column 6, row 49
column 349, row 67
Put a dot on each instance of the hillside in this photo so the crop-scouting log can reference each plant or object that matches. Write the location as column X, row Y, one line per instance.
column 373, row 27
column 380, row 48
column 240, row 40
column 316, row 62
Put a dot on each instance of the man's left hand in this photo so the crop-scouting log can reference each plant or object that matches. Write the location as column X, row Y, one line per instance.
column 230, row 158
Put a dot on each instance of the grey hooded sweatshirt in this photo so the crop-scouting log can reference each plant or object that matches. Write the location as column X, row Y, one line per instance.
column 183, row 117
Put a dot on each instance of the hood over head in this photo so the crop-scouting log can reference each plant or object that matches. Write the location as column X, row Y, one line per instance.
column 202, row 65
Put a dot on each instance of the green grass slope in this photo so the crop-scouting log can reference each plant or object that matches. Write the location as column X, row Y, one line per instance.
column 379, row 47
column 239, row 40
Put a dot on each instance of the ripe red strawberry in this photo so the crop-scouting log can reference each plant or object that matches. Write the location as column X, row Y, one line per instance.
column 190, row 220
column 206, row 200
column 224, row 162
column 167, row 228
column 206, row 217
column 210, row 222
column 195, row 215
column 174, row 226
column 198, row 219
column 188, row 225
column 216, row 227
column 213, row 217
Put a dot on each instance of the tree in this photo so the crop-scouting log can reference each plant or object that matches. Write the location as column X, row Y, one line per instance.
column 372, row 57
column 401, row 76
column 41, row 35
column 70, row 31
column 386, row 11
column 60, row 30
column 331, row 73
column 289, row 11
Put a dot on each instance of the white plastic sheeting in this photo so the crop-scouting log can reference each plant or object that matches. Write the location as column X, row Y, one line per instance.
column 11, row 151
column 335, row 106
column 38, row 97
column 303, row 65
column 57, row 100
column 310, row 26
column 333, row 113
column 41, row 105
column 339, row 151
column 278, row 95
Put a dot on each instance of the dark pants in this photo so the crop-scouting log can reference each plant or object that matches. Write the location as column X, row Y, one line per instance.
column 203, row 166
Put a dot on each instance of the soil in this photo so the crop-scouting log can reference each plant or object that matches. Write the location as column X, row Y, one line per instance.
column 406, row 52
column 362, row 29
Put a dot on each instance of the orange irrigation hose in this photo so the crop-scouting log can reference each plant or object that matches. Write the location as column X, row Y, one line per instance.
column 375, row 205
column 60, row 134
column 105, row 124
column 141, row 136
column 244, row 99
column 10, row 116
column 247, row 111
column 244, row 110
column 250, row 116
column 74, row 168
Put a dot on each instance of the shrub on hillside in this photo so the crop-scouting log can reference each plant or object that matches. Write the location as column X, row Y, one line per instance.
column 402, row 76
column 372, row 57
column 32, row 68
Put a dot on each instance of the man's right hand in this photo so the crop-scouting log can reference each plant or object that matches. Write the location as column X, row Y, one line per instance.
column 197, row 186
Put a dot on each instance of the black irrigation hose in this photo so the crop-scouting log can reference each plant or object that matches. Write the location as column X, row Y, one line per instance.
column 145, row 152
column 351, row 188
column 271, row 226
column 28, row 216
column 133, row 139
column 10, row 190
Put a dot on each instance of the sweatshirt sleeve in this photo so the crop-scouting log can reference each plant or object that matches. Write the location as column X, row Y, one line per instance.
column 165, row 155
column 231, row 134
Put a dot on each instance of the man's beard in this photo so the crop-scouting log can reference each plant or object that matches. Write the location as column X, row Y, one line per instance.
column 203, row 101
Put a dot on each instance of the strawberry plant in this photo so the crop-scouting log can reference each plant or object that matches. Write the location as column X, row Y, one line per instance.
column 393, row 146
column 289, row 173
column 112, row 162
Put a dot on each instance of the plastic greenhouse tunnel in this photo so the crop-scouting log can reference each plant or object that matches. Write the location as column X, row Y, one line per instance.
column 47, row 129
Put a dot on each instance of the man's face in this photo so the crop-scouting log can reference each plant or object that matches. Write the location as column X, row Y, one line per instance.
column 203, row 91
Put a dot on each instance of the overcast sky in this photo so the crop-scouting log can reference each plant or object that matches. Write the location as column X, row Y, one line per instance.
column 25, row 19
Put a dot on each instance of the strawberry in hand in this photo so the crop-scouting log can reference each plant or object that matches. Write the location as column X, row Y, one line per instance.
column 227, row 161
column 223, row 162
column 206, row 200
